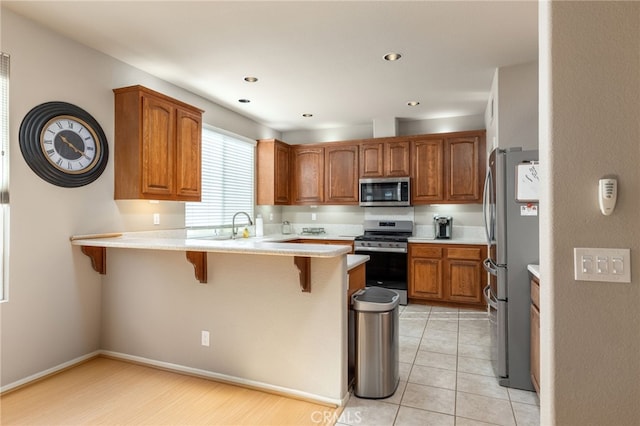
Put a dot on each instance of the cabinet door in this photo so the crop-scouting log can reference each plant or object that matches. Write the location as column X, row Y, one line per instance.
column 188, row 155
column 272, row 172
column 281, row 190
column 426, row 272
column 535, row 348
column 465, row 274
column 396, row 157
column 535, row 334
column 426, row 278
column 463, row 169
column 371, row 159
column 341, row 174
column 464, row 279
column 308, row 182
column 158, row 149
column 427, row 167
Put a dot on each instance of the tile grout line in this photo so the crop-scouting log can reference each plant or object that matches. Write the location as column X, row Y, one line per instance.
column 413, row 363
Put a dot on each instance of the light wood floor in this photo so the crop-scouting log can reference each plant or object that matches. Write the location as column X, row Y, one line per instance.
column 104, row 391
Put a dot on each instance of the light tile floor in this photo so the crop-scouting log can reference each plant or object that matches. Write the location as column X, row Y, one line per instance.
column 446, row 377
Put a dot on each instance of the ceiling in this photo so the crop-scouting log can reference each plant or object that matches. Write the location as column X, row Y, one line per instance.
column 311, row 57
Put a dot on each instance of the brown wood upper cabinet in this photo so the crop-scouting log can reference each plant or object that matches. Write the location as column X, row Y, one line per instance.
column 341, row 174
column 384, row 158
column 157, row 146
column 445, row 168
column 273, row 172
column 308, row 174
column 448, row 168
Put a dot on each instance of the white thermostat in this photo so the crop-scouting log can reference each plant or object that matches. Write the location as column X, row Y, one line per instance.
column 607, row 195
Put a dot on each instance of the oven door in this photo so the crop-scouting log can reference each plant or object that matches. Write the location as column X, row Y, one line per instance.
column 387, row 267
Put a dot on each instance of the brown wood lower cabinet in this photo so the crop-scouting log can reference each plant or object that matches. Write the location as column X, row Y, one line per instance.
column 450, row 273
column 357, row 280
column 535, row 333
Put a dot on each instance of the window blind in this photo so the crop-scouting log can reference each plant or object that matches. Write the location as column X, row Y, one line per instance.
column 228, row 167
column 4, row 170
column 4, row 128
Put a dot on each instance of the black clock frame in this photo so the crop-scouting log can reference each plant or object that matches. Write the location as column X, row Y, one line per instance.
column 31, row 130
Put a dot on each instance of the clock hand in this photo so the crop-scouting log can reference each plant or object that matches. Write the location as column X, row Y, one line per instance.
column 73, row 147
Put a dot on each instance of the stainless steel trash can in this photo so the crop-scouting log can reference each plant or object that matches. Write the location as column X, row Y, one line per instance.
column 377, row 351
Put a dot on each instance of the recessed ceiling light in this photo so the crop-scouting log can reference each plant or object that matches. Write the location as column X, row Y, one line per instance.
column 392, row 56
column 244, row 101
column 307, row 115
column 413, row 103
column 251, row 79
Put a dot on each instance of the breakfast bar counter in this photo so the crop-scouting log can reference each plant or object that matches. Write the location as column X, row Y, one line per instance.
column 274, row 312
column 180, row 240
column 196, row 247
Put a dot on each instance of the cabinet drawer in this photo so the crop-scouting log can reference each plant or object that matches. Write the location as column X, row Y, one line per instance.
column 464, row 253
column 424, row 250
column 535, row 293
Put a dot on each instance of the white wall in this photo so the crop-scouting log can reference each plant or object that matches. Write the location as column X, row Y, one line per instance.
column 53, row 313
column 514, row 100
column 589, row 127
column 404, row 128
column 263, row 328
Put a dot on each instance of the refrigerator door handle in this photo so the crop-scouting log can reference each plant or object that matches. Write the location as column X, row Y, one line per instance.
column 486, row 205
column 487, row 297
column 490, row 266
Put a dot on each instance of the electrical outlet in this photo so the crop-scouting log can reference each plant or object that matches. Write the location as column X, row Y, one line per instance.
column 204, row 338
column 313, row 216
column 156, row 218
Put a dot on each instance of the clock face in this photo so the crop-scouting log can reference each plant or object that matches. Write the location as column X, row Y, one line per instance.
column 69, row 144
column 63, row 144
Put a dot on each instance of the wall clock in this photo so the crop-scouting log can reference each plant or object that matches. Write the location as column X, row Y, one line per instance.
column 63, row 144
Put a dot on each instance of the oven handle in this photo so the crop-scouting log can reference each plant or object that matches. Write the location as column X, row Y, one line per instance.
column 380, row 249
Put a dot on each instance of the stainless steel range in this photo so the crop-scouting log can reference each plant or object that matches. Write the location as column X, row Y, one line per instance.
column 386, row 242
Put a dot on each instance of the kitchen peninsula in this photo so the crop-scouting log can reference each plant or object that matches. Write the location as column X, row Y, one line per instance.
column 265, row 331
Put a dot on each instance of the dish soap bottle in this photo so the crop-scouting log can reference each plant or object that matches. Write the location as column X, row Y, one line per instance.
column 245, row 233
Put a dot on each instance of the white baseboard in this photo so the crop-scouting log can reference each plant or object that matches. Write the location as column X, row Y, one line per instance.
column 49, row 371
column 293, row 393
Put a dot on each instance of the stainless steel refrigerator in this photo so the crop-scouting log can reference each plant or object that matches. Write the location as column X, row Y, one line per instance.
column 512, row 238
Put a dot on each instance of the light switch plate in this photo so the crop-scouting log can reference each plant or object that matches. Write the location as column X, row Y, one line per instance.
column 602, row 264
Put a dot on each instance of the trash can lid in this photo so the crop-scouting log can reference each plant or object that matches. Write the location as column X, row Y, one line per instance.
column 375, row 299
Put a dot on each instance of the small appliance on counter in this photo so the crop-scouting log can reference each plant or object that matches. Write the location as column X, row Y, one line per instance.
column 443, row 225
column 286, row 227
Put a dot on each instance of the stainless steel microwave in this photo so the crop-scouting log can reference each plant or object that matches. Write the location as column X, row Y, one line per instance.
column 377, row 192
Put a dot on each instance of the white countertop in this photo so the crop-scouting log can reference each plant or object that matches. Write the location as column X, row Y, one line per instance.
column 535, row 270
column 179, row 240
column 354, row 260
column 427, row 240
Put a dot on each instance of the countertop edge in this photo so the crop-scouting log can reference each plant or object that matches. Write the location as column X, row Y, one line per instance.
column 425, row 240
column 355, row 260
column 535, row 270
column 251, row 246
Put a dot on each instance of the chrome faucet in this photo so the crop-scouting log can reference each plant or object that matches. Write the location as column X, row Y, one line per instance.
column 234, row 231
